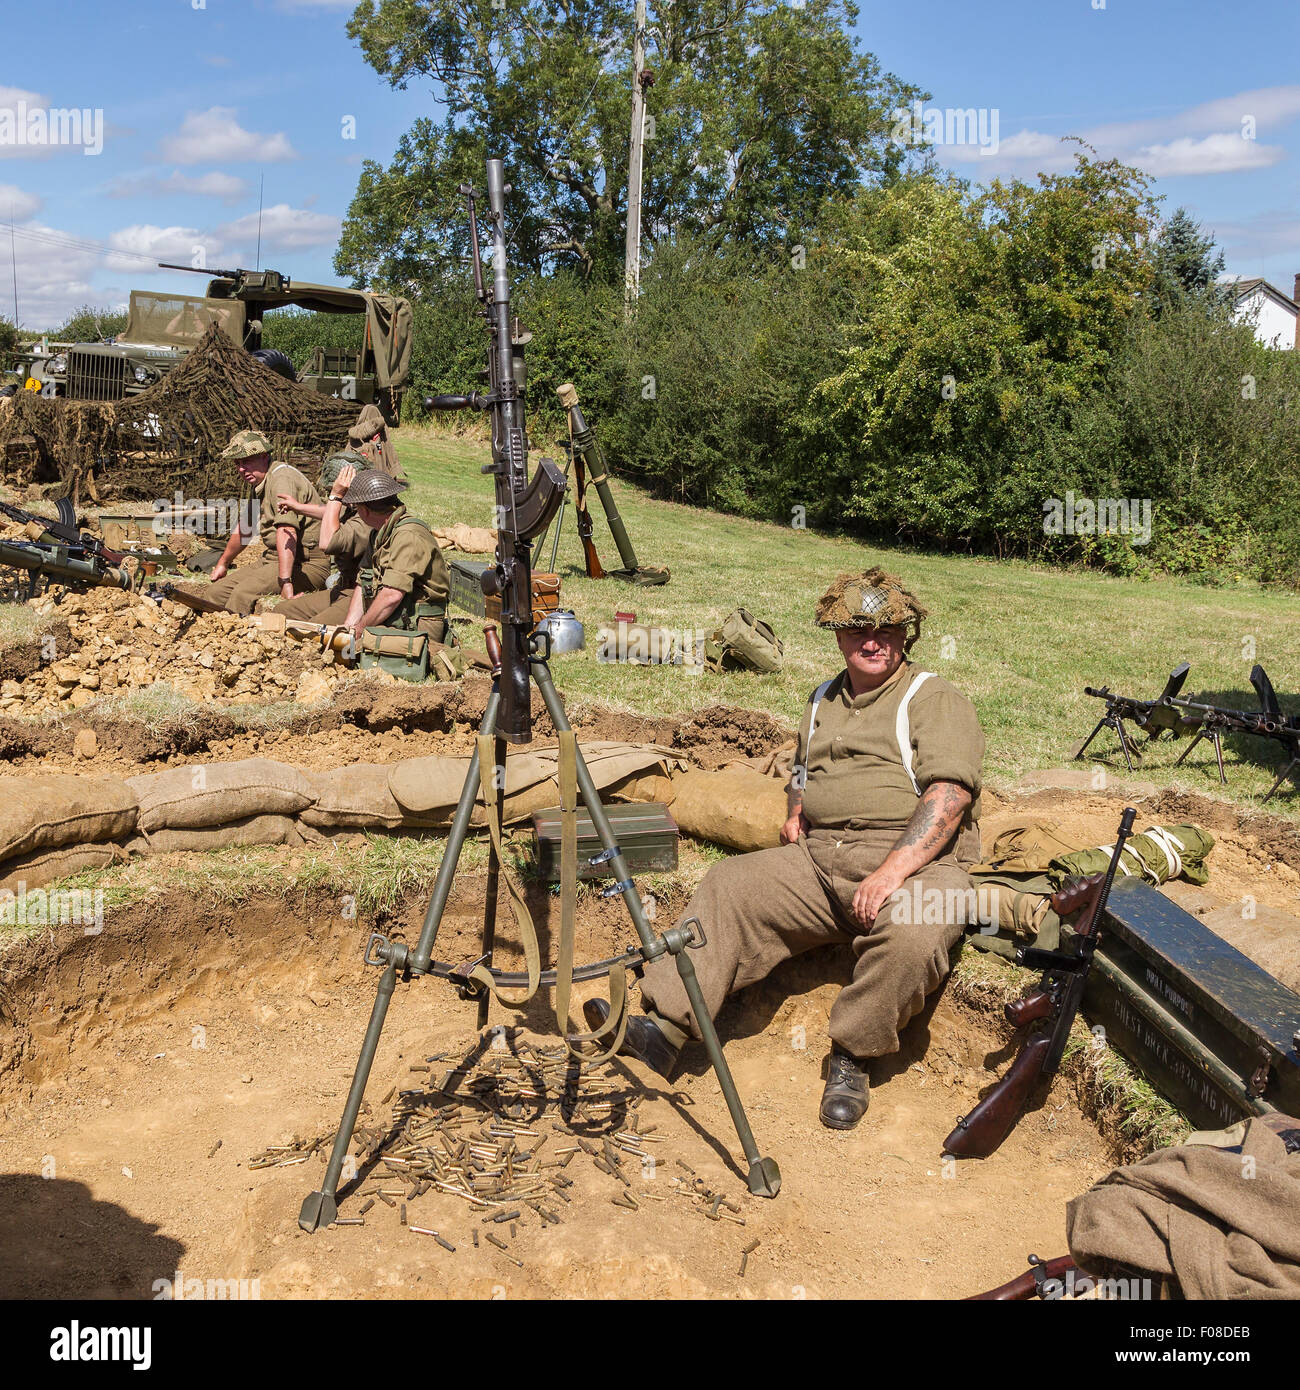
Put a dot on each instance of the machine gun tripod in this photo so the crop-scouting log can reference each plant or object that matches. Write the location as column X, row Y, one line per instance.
column 525, row 508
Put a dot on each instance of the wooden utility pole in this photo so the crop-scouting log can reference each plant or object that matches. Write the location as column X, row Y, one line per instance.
column 632, row 252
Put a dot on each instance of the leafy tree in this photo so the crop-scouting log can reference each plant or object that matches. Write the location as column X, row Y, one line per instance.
column 979, row 319
column 91, row 324
column 8, row 335
column 761, row 113
column 1186, row 265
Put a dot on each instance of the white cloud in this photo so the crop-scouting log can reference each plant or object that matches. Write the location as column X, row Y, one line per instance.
column 227, row 187
column 283, row 226
column 17, row 204
column 179, row 244
column 215, row 136
column 53, row 280
column 1215, row 154
column 1208, row 138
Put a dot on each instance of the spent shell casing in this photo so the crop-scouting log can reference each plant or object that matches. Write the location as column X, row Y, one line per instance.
column 370, row 1201
column 348, row 1221
column 752, row 1246
column 214, row 1148
column 402, row 1215
column 744, row 1260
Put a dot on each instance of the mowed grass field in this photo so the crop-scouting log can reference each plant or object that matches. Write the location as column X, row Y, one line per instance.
column 1022, row 640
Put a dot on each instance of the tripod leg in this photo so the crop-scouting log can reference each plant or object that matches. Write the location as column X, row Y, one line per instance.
column 1218, row 753
column 1123, row 743
column 320, row 1208
column 493, row 876
column 1083, row 747
column 1200, row 734
column 764, row 1175
column 1282, row 776
column 423, row 952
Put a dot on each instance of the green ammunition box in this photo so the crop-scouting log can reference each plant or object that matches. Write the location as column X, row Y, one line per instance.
column 646, row 833
column 465, row 592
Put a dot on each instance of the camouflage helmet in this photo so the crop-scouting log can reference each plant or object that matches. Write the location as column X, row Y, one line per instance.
column 247, row 444
column 874, row 599
column 335, row 464
column 372, row 485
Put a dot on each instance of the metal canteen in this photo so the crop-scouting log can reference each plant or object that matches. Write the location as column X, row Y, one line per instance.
column 566, row 631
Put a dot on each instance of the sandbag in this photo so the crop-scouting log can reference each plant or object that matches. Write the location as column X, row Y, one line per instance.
column 737, row 807
column 473, row 540
column 57, row 809
column 188, row 798
column 431, row 786
column 251, row 830
column 644, row 786
column 45, row 865
column 358, row 798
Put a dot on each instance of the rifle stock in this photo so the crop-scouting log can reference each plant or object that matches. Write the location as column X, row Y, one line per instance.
column 1026, row 1285
column 982, row 1131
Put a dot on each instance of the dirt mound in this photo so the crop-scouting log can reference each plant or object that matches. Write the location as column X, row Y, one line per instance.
column 142, row 445
column 118, row 642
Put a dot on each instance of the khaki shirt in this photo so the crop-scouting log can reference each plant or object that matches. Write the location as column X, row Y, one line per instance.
column 856, row 776
column 406, row 557
column 284, row 477
column 348, row 547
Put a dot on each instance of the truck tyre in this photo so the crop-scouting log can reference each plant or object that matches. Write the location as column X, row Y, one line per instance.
column 277, row 361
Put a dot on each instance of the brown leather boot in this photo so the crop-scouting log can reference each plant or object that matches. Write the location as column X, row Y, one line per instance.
column 847, row 1093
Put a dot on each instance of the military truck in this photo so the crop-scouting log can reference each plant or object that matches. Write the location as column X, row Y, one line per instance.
column 161, row 329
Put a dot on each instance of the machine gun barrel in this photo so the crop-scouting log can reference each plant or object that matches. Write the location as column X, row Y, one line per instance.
column 209, row 270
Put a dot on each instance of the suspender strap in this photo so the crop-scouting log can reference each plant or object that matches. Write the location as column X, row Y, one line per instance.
column 903, row 728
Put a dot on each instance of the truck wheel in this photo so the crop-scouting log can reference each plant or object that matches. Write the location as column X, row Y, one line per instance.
column 277, row 361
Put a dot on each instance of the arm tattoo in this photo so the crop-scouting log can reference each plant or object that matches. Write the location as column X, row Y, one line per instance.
column 936, row 818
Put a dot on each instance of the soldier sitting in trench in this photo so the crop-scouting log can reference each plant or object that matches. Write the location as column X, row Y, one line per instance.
column 883, row 823
column 343, row 536
column 296, row 563
column 406, row 580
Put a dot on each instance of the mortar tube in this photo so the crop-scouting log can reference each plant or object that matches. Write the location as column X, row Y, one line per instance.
column 585, row 442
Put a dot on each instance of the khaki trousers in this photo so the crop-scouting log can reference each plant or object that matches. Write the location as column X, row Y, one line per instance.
column 240, row 590
column 327, row 606
column 760, row 909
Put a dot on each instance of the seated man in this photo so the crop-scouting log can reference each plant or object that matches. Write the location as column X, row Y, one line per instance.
column 883, row 822
column 296, row 564
column 343, row 536
column 406, row 581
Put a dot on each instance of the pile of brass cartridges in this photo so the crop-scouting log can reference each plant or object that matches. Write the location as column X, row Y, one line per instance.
column 500, row 1134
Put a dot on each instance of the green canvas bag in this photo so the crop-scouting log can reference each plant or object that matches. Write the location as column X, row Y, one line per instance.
column 744, row 642
column 400, row 651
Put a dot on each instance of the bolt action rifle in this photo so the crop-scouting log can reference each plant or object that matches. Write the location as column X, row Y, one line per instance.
column 1268, row 722
column 1065, row 973
column 1154, row 716
column 524, row 507
column 77, row 567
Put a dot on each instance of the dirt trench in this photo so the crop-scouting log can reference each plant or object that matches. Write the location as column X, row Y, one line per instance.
column 130, row 1053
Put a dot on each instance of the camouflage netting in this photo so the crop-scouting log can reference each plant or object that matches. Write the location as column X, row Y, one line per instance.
column 143, row 446
column 874, row 599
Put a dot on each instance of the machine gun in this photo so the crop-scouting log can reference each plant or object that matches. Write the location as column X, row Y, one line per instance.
column 520, row 659
column 524, row 507
column 1065, row 973
column 76, row 567
column 64, row 529
column 1269, row 722
column 271, row 280
column 1154, row 716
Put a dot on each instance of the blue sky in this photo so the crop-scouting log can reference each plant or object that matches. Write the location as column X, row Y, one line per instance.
column 201, row 98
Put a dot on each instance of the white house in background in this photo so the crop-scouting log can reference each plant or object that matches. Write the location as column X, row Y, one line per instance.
column 1268, row 311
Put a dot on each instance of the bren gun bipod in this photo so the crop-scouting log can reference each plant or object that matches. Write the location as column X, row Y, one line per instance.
column 524, row 509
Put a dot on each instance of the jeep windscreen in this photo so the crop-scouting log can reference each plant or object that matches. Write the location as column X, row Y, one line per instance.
column 179, row 320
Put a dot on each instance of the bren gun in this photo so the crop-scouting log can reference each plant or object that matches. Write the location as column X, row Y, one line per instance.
column 524, row 508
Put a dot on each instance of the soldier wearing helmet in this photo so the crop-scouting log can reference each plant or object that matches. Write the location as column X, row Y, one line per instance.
column 344, row 537
column 406, row 580
column 296, row 564
column 883, row 808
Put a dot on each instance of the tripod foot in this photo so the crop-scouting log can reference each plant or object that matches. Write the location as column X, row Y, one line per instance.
column 764, row 1177
column 320, row 1210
